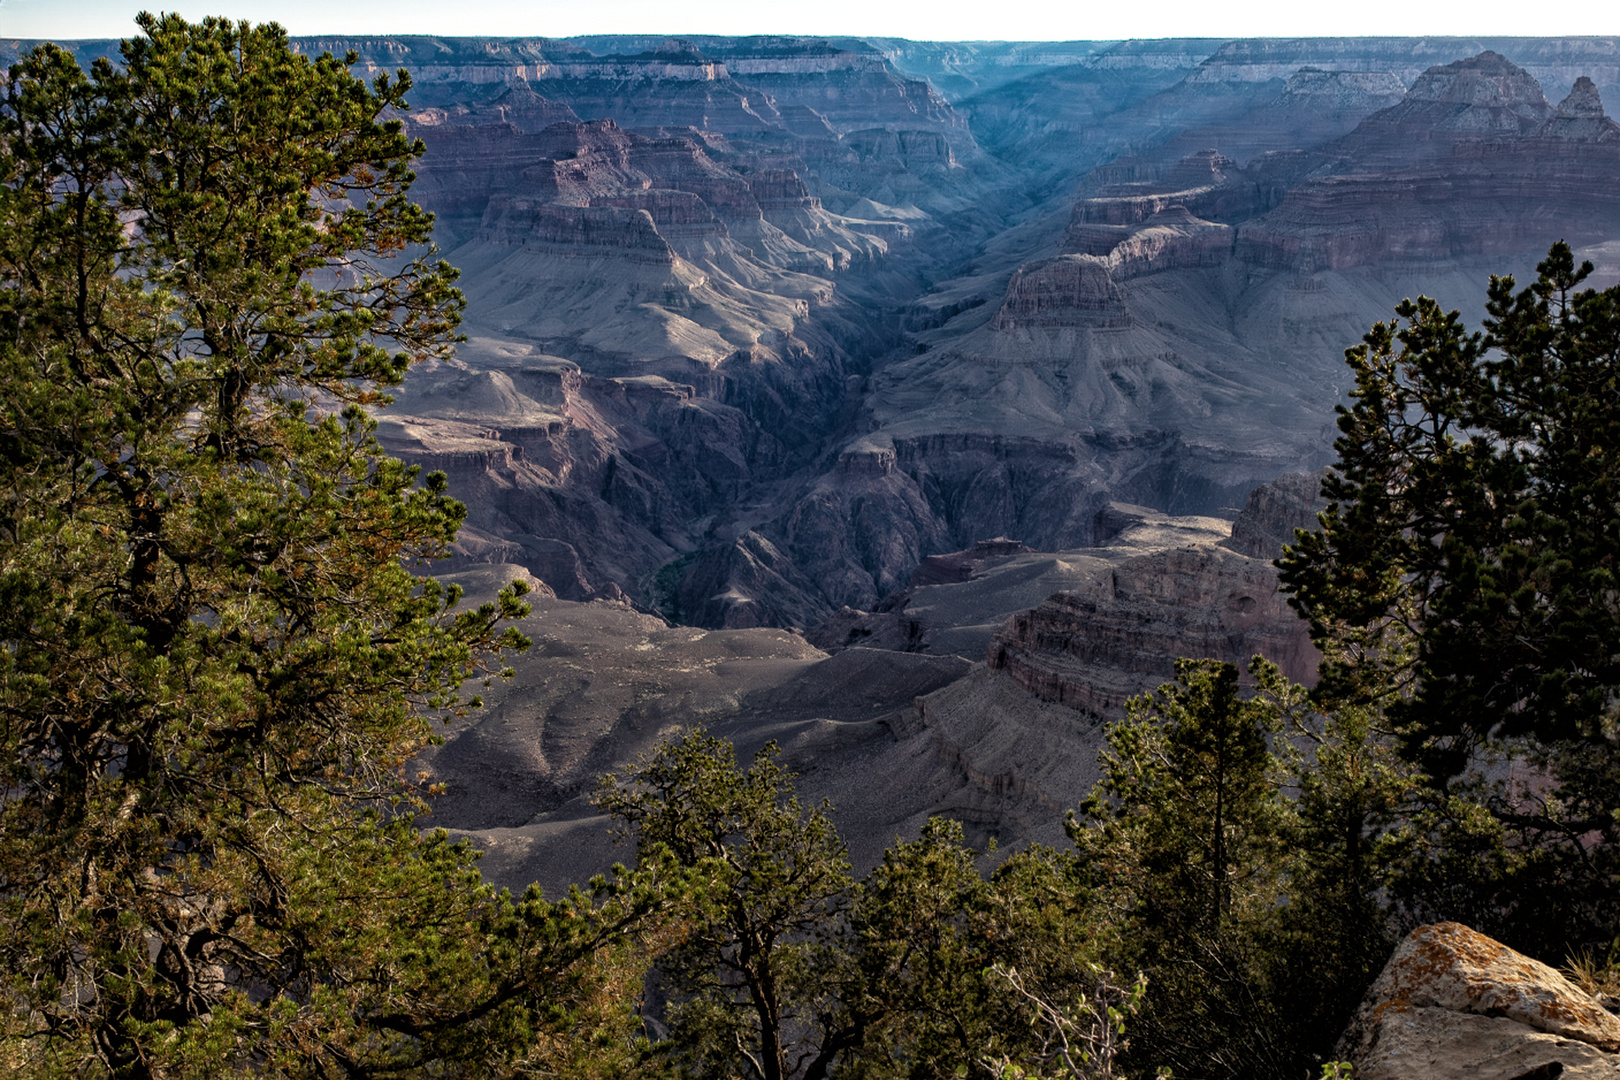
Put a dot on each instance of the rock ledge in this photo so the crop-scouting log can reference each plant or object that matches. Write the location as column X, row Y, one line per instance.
column 1452, row 1002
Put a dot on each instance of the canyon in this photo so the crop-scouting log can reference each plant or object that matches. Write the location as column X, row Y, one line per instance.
column 915, row 404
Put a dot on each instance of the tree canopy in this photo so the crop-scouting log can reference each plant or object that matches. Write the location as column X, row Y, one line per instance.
column 215, row 663
column 1465, row 568
column 1462, row 587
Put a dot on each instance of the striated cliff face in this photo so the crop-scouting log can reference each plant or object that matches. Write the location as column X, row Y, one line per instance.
column 895, row 726
column 1171, row 239
column 575, row 231
column 1274, row 511
column 1580, row 117
column 1483, row 95
column 1093, row 649
column 1068, row 291
column 1473, row 161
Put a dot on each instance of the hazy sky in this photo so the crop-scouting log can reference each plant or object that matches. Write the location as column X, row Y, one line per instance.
column 940, row 20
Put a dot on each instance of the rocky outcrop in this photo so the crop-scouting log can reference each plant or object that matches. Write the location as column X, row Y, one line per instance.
column 1340, row 91
column 1068, row 291
column 519, row 106
column 1207, row 184
column 1342, row 221
column 1452, row 1002
column 851, row 627
column 1482, row 96
column 575, row 231
column 967, row 564
column 1579, row 117
column 745, row 583
column 781, row 189
column 1487, row 199
column 1091, row 649
column 1473, row 161
column 1209, row 201
column 1172, row 239
column 848, row 83
column 1274, row 511
column 910, row 149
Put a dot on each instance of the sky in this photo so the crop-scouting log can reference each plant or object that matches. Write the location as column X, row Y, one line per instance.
column 936, row 20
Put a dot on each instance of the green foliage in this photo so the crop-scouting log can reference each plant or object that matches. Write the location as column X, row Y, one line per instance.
column 1184, row 837
column 1239, row 846
column 750, row 976
column 1197, row 747
column 1463, row 585
column 214, row 666
column 928, row 934
column 1353, row 795
column 1473, row 511
column 790, row 968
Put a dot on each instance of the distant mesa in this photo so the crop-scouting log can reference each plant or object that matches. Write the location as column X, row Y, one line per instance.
column 1486, row 94
column 1473, row 161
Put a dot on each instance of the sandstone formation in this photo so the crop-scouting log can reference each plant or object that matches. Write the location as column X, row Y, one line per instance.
column 1579, row 117
column 1068, row 291
column 1093, row 648
column 1275, row 511
column 1452, row 1002
column 1089, row 628
column 1472, row 161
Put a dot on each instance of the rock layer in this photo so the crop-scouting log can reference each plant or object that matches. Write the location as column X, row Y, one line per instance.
column 1093, row 649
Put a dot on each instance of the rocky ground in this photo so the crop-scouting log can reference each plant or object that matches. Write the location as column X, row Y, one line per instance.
column 1452, row 1002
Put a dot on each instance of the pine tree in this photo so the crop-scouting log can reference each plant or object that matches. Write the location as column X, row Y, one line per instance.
column 215, row 665
column 754, row 980
column 1463, row 584
column 1184, row 839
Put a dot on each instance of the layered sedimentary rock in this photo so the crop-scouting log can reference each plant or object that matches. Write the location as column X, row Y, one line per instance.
column 1092, row 649
column 1208, row 184
column 810, row 315
column 575, row 231
column 1275, row 511
column 1480, row 97
column 1580, row 117
column 892, row 730
column 1069, row 291
column 1473, row 161
column 1171, row 239
column 1311, row 107
column 956, row 603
